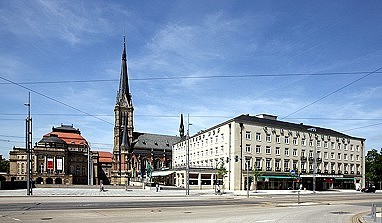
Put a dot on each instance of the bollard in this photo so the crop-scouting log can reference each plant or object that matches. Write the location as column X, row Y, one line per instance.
column 373, row 211
column 298, row 197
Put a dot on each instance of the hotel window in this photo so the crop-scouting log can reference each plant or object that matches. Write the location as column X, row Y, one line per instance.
column 268, row 137
column 332, row 156
column 248, row 164
column 333, row 145
column 319, row 144
column 248, row 135
column 325, row 166
column 311, row 143
column 286, row 139
column 333, row 166
column 277, row 151
column 248, row 148
column 258, row 163
column 326, row 155
column 258, row 149
column 339, row 156
column 222, row 137
column 351, row 148
column 286, row 164
column 295, row 142
column 339, row 146
column 268, row 150
column 357, row 157
column 303, row 153
column 339, row 166
column 351, row 157
column 357, row 148
column 268, row 164
column 216, row 150
column 277, row 164
column 303, row 142
column 345, row 156
column 294, row 152
column 211, row 151
column 303, row 166
column 286, row 151
column 222, row 149
column 295, row 164
column 345, row 147
column 216, row 138
column 258, row 136
column 325, row 144
column 310, row 153
column 277, row 139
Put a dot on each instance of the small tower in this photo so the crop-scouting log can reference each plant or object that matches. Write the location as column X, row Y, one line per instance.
column 181, row 127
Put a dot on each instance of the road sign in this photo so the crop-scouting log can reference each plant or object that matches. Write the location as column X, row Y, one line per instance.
column 292, row 172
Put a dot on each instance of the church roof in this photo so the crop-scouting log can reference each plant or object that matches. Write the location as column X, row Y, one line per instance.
column 154, row 141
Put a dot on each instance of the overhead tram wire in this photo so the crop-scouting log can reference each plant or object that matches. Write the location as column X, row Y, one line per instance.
column 197, row 77
column 333, row 92
column 55, row 100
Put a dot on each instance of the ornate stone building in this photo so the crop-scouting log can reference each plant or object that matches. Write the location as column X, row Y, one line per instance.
column 135, row 154
column 60, row 157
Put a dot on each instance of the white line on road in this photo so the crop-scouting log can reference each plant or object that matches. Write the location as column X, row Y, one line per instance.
column 265, row 221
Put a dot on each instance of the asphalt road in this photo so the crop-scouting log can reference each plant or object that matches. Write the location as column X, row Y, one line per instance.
column 265, row 208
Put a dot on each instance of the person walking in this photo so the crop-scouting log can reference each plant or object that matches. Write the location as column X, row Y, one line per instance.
column 101, row 188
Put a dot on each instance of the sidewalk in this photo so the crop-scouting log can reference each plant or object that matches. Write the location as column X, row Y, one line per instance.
column 149, row 192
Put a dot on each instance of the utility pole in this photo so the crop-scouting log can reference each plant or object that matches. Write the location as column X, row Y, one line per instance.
column 28, row 147
column 188, row 157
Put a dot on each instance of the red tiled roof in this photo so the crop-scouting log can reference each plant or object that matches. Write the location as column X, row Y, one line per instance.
column 105, row 157
column 69, row 138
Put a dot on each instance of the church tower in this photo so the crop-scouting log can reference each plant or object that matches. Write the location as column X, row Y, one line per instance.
column 123, row 125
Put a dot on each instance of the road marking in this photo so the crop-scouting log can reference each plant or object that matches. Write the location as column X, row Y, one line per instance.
column 16, row 219
column 265, row 221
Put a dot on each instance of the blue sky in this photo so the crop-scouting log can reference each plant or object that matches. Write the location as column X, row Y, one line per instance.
column 242, row 52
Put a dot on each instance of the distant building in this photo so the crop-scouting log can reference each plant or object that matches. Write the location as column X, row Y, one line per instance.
column 102, row 164
column 286, row 154
column 135, row 154
column 60, row 157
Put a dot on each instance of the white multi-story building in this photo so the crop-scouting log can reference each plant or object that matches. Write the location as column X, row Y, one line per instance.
column 286, row 154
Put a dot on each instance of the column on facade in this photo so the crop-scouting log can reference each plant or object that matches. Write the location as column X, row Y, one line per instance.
column 200, row 181
column 63, row 165
column 45, row 164
column 212, row 180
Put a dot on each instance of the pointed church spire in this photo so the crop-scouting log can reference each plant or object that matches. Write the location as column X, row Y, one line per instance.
column 124, row 92
column 181, row 127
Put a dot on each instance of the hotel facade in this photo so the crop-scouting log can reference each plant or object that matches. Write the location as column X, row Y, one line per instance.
column 285, row 154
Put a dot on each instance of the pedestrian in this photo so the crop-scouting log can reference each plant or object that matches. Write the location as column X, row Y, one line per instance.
column 157, row 187
column 101, row 188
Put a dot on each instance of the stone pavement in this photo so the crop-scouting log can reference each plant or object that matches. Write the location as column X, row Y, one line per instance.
column 147, row 192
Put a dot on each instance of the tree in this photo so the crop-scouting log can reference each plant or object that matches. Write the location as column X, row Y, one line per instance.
column 222, row 172
column 4, row 165
column 256, row 175
column 373, row 170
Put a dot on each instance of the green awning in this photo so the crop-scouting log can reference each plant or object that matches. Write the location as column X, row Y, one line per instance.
column 277, row 177
column 344, row 178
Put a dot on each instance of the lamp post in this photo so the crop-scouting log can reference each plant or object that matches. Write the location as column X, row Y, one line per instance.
column 314, row 159
column 188, row 157
column 247, row 167
column 28, row 146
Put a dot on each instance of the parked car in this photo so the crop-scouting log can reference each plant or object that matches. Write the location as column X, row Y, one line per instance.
column 368, row 189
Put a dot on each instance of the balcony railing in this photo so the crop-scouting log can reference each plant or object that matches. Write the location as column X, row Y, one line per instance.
column 303, row 171
column 278, row 169
column 286, row 169
column 269, row 168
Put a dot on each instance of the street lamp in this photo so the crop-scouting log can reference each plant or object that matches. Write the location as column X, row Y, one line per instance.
column 28, row 146
column 314, row 159
column 188, row 157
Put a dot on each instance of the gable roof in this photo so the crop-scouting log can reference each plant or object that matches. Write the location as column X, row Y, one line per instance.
column 154, row 141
